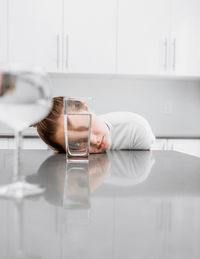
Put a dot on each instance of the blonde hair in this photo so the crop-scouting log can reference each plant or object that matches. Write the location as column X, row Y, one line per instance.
column 47, row 127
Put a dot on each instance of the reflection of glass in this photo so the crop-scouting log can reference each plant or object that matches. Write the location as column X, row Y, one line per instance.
column 24, row 100
column 77, row 186
column 78, row 119
column 76, row 198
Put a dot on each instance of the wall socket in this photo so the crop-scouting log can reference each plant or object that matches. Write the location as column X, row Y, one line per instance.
column 167, row 108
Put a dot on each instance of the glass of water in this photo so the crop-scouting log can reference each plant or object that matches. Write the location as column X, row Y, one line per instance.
column 78, row 121
column 24, row 99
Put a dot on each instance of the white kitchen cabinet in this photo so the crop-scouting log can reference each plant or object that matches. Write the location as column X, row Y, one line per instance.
column 27, row 143
column 89, row 36
column 159, row 37
column 3, row 31
column 92, row 36
column 143, row 29
column 160, row 144
column 188, row 146
column 35, row 29
column 185, row 37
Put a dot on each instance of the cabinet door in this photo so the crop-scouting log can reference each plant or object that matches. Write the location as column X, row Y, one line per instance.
column 185, row 37
column 188, row 146
column 90, row 36
column 142, row 36
column 159, row 144
column 35, row 33
column 3, row 30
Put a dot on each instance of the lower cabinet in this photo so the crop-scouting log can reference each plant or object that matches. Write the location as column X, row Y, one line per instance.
column 27, row 143
column 187, row 146
column 160, row 144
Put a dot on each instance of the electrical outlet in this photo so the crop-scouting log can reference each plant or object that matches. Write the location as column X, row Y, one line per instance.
column 167, row 108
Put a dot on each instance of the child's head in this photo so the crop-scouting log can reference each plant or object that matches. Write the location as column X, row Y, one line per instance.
column 51, row 129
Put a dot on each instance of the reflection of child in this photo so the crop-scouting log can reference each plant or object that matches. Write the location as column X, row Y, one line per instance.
column 129, row 167
column 120, row 168
column 99, row 170
column 117, row 130
column 52, row 176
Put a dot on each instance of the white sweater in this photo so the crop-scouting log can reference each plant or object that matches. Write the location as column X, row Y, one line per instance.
column 128, row 131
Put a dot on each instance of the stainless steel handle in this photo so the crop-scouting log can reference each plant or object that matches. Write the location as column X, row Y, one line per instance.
column 174, row 55
column 58, row 51
column 165, row 53
column 163, row 146
column 67, row 51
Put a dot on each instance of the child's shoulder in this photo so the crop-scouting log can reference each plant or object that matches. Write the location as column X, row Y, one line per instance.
column 123, row 117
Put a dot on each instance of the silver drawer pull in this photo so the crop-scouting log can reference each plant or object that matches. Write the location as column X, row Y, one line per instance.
column 165, row 53
column 58, row 51
column 67, row 51
column 174, row 55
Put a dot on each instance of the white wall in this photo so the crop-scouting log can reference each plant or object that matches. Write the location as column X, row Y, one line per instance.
column 171, row 106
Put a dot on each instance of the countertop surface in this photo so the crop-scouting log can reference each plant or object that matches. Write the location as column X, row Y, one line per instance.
column 122, row 204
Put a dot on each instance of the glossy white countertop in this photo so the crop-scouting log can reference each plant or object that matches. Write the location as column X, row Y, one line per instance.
column 124, row 204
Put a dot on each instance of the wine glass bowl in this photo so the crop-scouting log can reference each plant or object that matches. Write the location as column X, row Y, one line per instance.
column 25, row 99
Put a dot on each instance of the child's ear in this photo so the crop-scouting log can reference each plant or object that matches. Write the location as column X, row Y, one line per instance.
column 84, row 105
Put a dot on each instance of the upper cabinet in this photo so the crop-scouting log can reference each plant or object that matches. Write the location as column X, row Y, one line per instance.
column 35, row 28
column 89, row 36
column 185, row 37
column 143, row 29
column 159, row 37
column 146, row 37
column 3, row 31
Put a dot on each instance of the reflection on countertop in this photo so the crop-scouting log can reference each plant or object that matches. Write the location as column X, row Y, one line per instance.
column 73, row 183
column 133, row 205
column 129, row 168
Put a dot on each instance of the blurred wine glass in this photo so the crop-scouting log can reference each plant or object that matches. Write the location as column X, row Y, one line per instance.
column 24, row 100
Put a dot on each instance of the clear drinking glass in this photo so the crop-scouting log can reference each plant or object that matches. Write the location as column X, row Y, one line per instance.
column 78, row 120
column 24, row 100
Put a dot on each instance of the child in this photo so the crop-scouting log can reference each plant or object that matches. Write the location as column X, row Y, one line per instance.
column 115, row 130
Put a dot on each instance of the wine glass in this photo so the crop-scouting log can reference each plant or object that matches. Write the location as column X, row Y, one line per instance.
column 24, row 100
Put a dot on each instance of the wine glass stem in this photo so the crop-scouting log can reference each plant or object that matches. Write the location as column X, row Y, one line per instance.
column 17, row 173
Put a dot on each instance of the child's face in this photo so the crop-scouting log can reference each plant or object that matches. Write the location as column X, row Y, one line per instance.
column 100, row 135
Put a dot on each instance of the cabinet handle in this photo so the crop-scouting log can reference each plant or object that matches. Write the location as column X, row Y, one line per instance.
column 58, row 51
column 174, row 55
column 67, row 51
column 163, row 147
column 165, row 54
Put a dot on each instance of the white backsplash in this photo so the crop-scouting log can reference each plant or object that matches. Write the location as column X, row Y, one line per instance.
column 171, row 106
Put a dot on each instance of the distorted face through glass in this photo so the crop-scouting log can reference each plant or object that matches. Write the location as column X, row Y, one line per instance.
column 78, row 126
column 78, row 132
